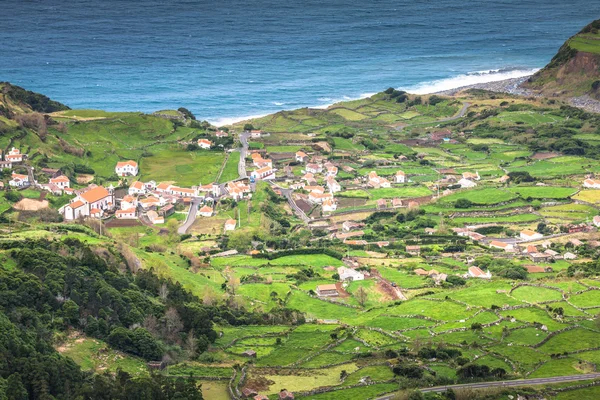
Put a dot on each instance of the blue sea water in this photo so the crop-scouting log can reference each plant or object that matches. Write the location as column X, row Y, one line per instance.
column 229, row 59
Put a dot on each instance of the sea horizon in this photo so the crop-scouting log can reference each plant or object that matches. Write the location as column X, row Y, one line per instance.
column 234, row 60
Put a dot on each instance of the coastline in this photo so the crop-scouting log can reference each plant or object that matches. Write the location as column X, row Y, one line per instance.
column 510, row 86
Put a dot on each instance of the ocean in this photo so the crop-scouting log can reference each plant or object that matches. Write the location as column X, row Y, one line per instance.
column 229, row 59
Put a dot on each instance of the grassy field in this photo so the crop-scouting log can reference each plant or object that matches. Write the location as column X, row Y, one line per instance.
column 485, row 196
column 230, row 172
column 95, row 355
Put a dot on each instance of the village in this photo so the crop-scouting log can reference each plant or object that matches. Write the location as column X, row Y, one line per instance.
column 309, row 181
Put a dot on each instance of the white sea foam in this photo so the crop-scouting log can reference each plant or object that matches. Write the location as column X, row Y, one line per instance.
column 232, row 120
column 471, row 78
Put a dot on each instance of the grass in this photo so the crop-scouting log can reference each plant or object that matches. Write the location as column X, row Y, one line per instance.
column 533, row 294
column 362, row 392
column 576, row 339
column 485, row 196
column 586, row 299
column 534, row 315
column 309, row 260
column 402, row 192
column 93, row 354
column 584, row 43
column 558, row 367
column 230, row 171
column 589, row 196
column 186, row 168
column 543, row 192
column 199, row 370
column 526, row 336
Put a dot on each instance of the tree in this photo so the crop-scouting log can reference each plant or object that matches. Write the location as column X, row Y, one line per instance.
column 71, row 312
column 191, row 344
column 233, row 284
column 163, row 292
column 361, row 296
column 416, row 395
column 15, row 389
column 248, row 127
column 463, row 203
column 172, row 227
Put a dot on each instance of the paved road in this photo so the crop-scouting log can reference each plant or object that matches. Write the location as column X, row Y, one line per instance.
column 288, row 195
column 518, row 382
column 460, row 114
column 243, row 154
column 191, row 217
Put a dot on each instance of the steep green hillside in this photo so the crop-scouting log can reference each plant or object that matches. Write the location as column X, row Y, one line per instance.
column 91, row 142
column 575, row 69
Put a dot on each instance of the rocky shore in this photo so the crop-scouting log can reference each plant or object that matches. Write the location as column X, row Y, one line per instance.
column 505, row 86
column 512, row 86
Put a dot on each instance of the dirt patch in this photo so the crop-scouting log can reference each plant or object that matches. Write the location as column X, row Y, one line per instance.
column 374, row 254
column 84, row 179
column 544, row 156
column 121, row 223
column 340, row 288
column 31, row 205
column 344, row 202
column 258, row 383
column 304, row 205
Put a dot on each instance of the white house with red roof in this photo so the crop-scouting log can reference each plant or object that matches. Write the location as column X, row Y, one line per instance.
column 205, row 211
column 476, row 272
column 496, row 244
column 332, row 170
column 205, row 144
column 137, row 187
column 163, row 187
column 596, row 220
column 19, row 180
column 528, row 234
column 591, row 183
column 61, row 181
column 314, row 168
column 400, row 177
column 301, row 156
column 376, row 181
column 152, row 201
column 263, row 173
column 183, row 192
column 238, row 190
column 230, row 224
column 255, row 134
column 129, row 213
column 89, row 203
column 333, row 185
column 128, row 202
column 221, row 134
column 329, row 205
column 14, row 155
column 126, row 168
column 318, row 198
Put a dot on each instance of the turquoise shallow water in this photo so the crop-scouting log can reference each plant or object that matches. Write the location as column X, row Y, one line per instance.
column 234, row 58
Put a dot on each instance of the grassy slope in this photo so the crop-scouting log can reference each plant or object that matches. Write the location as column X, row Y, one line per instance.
column 575, row 67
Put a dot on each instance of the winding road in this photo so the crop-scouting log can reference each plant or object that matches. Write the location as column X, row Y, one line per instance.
column 287, row 193
column 518, row 382
column 191, row 217
column 460, row 114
